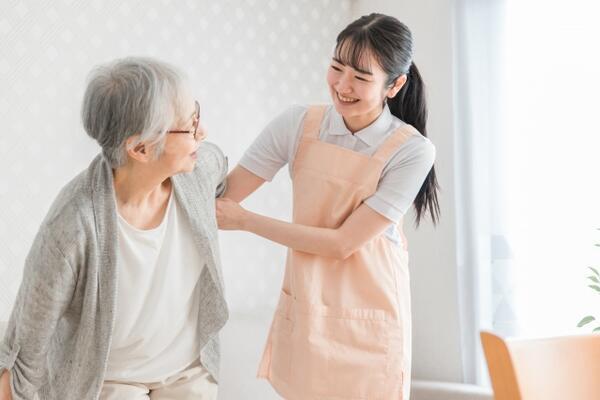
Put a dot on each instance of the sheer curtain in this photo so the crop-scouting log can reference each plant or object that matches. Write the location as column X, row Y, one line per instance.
column 528, row 176
column 479, row 102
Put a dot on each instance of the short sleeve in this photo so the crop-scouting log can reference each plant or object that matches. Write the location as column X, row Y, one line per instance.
column 276, row 145
column 402, row 178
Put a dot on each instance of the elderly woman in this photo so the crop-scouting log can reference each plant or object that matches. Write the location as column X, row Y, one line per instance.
column 122, row 293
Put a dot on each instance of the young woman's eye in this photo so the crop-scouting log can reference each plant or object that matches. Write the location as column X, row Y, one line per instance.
column 336, row 68
column 362, row 79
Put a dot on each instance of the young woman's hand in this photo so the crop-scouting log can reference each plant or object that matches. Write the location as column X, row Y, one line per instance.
column 5, row 393
column 230, row 215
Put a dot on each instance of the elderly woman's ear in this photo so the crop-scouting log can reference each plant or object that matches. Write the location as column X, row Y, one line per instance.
column 140, row 151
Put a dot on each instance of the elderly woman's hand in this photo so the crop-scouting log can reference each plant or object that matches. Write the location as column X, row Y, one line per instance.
column 230, row 215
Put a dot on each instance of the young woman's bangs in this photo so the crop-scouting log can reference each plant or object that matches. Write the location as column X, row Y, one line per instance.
column 355, row 53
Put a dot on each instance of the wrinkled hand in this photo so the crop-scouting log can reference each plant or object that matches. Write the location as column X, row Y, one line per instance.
column 230, row 215
column 5, row 393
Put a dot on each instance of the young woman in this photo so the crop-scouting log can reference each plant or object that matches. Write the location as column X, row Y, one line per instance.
column 342, row 329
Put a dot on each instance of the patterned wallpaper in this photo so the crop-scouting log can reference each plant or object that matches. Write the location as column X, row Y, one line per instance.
column 246, row 60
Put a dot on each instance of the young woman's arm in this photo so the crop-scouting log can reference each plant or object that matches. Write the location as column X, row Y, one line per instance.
column 5, row 392
column 271, row 150
column 241, row 183
column 360, row 227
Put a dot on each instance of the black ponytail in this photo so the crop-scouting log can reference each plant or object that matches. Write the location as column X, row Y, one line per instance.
column 411, row 107
column 390, row 42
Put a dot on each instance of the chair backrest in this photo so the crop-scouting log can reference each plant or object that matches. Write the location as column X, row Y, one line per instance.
column 550, row 368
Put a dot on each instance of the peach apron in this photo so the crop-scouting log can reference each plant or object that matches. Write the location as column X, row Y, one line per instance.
column 342, row 328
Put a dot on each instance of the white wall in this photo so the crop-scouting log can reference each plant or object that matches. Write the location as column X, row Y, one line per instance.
column 433, row 266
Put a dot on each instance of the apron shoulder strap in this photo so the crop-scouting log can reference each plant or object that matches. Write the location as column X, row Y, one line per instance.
column 312, row 121
column 394, row 141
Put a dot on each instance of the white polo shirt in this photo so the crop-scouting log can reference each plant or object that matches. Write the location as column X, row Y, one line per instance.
column 401, row 178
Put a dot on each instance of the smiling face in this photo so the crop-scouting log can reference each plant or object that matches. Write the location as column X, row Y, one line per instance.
column 358, row 86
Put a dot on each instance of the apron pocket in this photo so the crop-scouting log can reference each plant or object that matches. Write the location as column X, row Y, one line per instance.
column 281, row 346
column 345, row 355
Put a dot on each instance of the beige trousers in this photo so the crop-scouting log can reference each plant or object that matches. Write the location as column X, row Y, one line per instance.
column 192, row 383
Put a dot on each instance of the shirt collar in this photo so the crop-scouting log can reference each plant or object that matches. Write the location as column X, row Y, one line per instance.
column 370, row 135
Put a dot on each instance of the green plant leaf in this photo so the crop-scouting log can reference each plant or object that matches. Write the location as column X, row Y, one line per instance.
column 593, row 279
column 595, row 287
column 595, row 271
column 585, row 321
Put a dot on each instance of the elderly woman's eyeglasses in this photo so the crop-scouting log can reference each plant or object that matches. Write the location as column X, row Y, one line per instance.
column 194, row 130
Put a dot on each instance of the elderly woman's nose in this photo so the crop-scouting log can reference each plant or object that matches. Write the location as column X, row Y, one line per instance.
column 201, row 133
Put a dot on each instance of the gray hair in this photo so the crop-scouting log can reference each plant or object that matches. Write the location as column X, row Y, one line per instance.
column 131, row 96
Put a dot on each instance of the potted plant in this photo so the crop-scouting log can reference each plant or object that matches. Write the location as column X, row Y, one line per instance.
column 594, row 284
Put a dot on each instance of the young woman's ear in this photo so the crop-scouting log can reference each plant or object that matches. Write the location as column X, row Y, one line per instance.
column 396, row 86
column 139, row 151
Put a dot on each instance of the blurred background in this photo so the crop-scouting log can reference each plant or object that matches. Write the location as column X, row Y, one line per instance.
column 513, row 111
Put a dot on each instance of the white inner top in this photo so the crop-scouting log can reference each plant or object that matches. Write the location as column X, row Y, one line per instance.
column 155, row 334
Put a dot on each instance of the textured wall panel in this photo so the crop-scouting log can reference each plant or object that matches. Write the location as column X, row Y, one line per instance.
column 246, row 60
